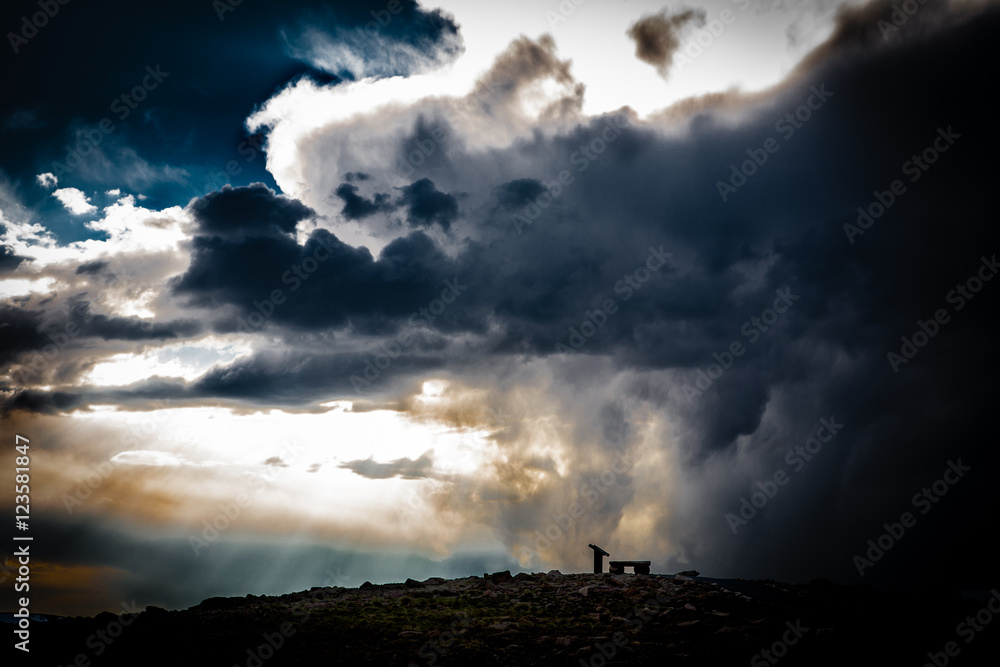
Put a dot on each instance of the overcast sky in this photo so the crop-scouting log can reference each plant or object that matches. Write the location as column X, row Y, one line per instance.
column 309, row 293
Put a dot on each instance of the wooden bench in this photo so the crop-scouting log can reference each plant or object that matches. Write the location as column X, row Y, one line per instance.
column 638, row 566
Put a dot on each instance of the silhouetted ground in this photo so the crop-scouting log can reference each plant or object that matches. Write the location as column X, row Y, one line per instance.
column 538, row 619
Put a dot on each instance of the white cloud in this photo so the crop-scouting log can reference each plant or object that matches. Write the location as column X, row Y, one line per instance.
column 21, row 286
column 47, row 180
column 75, row 201
column 114, row 193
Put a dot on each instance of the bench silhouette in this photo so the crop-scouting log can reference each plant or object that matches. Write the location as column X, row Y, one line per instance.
column 617, row 566
column 638, row 566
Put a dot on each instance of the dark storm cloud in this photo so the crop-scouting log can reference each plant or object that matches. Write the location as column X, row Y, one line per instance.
column 184, row 127
column 357, row 207
column 657, row 36
column 404, row 468
column 24, row 330
column 515, row 194
column 91, row 268
column 19, row 332
column 39, row 402
column 784, row 227
column 345, row 284
column 426, row 205
column 132, row 328
column 254, row 211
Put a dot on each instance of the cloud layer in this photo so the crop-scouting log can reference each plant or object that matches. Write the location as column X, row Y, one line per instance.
column 639, row 323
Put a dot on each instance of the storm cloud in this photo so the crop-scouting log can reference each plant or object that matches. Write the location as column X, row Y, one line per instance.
column 648, row 317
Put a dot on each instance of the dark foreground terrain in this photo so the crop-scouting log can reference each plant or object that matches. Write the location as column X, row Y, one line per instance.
column 540, row 619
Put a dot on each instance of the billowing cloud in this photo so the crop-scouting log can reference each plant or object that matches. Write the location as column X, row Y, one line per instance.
column 47, row 180
column 356, row 206
column 75, row 201
column 657, row 36
column 625, row 326
column 425, row 205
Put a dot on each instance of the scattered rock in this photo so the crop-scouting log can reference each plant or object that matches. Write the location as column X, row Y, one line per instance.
column 688, row 573
column 366, row 586
column 499, row 577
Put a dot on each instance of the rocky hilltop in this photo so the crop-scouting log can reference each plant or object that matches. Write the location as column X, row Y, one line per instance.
column 534, row 619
